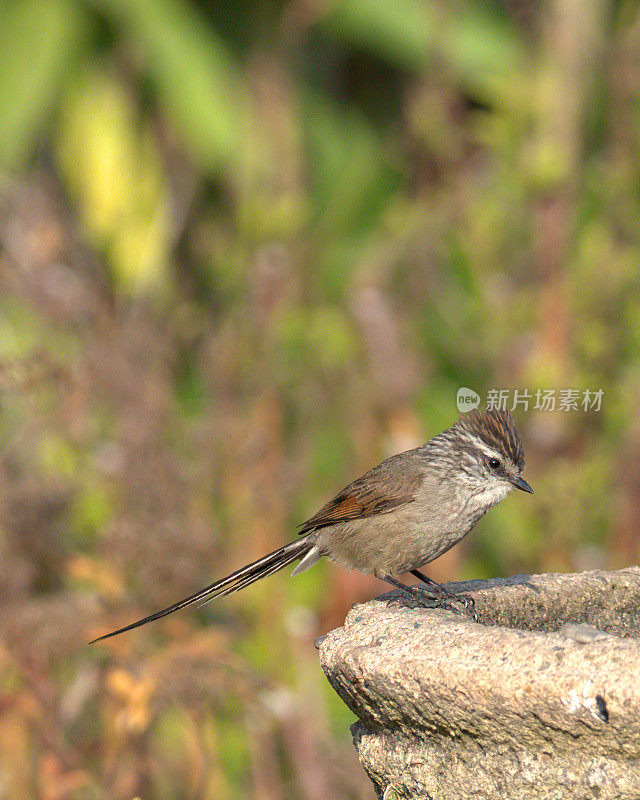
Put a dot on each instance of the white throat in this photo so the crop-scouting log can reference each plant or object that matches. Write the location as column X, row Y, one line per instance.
column 491, row 497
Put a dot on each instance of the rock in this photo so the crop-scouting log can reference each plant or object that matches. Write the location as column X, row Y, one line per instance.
column 539, row 699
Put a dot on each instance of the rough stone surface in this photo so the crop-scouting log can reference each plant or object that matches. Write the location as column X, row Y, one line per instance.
column 540, row 699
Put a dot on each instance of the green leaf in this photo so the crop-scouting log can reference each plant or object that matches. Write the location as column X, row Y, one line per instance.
column 477, row 46
column 353, row 181
column 193, row 75
column 352, row 176
column 40, row 39
column 109, row 161
column 483, row 51
column 402, row 30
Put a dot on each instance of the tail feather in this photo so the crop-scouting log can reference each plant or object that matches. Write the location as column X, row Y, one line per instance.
column 245, row 576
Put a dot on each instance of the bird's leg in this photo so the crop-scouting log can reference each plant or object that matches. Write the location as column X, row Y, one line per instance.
column 468, row 602
column 435, row 588
column 416, row 594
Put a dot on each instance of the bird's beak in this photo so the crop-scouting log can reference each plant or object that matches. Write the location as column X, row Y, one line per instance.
column 520, row 483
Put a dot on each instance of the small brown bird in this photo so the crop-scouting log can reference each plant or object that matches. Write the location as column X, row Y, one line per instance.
column 400, row 515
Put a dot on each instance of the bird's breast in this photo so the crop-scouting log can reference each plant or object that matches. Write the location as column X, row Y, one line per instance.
column 400, row 540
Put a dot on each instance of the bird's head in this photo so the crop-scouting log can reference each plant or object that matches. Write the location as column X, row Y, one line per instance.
column 485, row 454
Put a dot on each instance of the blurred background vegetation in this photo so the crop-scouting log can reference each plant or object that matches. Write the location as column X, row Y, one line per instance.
column 248, row 249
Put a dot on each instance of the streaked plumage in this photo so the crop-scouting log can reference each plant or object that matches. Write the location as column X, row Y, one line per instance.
column 401, row 514
column 498, row 431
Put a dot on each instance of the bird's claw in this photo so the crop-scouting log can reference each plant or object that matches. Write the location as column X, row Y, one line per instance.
column 465, row 600
column 414, row 600
column 446, row 601
column 469, row 604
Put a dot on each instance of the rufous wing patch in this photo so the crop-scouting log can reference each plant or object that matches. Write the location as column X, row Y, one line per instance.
column 363, row 498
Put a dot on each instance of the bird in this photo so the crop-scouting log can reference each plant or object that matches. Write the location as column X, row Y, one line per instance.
column 400, row 515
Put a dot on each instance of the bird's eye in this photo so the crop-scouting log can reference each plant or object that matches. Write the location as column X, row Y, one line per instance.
column 494, row 463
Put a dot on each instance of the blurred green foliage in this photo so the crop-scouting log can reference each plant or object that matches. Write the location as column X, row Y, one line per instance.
column 247, row 250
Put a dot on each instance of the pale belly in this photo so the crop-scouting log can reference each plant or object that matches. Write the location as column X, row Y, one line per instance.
column 396, row 542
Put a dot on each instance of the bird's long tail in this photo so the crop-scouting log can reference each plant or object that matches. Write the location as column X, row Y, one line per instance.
column 237, row 580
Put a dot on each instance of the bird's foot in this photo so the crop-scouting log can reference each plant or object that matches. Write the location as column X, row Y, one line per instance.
column 414, row 600
column 419, row 598
column 469, row 605
column 401, row 601
column 410, row 598
column 465, row 600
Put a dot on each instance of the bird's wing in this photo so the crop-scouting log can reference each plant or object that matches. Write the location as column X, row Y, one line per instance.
column 381, row 489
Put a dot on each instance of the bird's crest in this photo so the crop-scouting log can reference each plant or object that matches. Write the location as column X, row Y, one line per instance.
column 497, row 429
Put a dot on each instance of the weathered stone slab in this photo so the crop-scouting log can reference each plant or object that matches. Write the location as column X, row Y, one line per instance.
column 540, row 699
